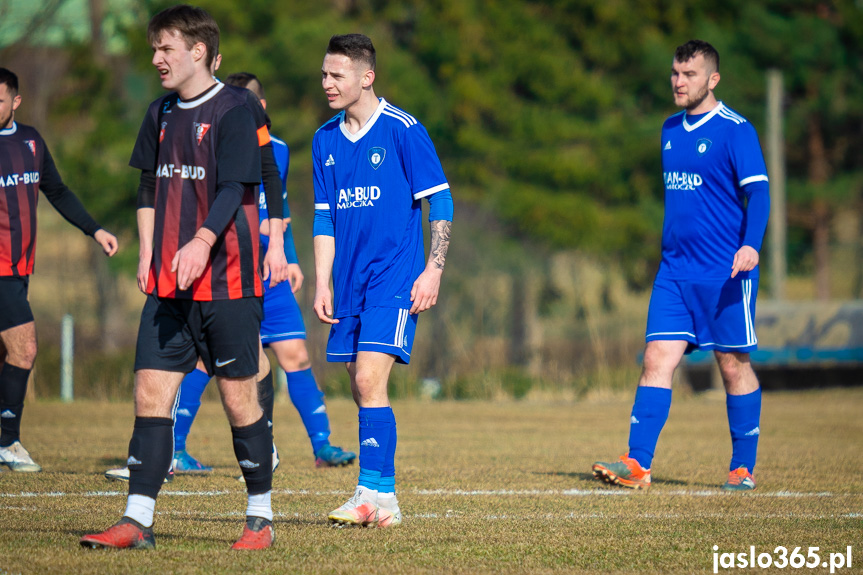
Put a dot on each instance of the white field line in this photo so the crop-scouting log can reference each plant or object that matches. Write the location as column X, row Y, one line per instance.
column 453, row 493
column 452, row 514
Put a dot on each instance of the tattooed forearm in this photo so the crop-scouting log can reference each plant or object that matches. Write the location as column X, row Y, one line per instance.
column 440, row 233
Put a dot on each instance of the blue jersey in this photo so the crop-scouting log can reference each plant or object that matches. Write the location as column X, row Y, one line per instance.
column 706, row 162
column 371, row 184
column 280, row 151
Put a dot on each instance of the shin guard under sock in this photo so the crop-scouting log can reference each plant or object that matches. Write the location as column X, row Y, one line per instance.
column 374, row 430
column 253, row 446
column 309, row 401
column 649, row 414
column 744, row 417
column 13, row 388
column 267, row 397
column 151, row 451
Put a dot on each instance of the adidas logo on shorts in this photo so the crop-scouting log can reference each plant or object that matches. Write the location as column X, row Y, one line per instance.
column 370, row 442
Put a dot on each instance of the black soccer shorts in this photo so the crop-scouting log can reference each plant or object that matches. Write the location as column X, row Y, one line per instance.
column 224, row 333
column 14, row 307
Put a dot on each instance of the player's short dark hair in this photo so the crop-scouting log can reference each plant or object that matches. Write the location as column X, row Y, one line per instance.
column 9, row 78
column 357, row 47
column 193, row 23
column 243, row 80
column 691, row 49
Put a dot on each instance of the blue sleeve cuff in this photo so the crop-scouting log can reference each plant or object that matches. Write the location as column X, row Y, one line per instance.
column 323, row 225
column 440, row 206
column 757, row 213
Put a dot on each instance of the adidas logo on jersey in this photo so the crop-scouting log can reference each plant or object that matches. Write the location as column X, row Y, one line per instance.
column 330, row 161
column 667, row 145
column 756, row 431
column 246, row 464
column 370, row 442
column 633, row 419
column 133, row 460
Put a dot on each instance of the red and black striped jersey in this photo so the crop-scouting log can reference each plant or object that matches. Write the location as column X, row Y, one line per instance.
column 26, row 166
column 199, row 149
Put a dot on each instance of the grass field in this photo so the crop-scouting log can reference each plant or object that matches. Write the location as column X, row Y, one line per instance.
column 485, row 488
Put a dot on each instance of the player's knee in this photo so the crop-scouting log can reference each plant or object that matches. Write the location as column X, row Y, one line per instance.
column 367, row 387
column 733, row 366
column 293, row 355
column 657, row 363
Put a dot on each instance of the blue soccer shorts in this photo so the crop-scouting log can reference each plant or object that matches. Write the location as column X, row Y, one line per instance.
column 709, row 314
column 282, row 317
column 382, row 329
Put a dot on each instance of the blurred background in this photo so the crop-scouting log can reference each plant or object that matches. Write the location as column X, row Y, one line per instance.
column 546, row 116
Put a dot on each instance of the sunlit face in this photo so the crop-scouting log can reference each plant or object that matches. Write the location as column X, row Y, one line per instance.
column 175, row 61
column 692, row 81
column 8, row 104
column 343, row 80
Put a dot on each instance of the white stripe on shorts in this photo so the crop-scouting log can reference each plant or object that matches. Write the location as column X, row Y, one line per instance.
column 747, row 312
column 400, row 327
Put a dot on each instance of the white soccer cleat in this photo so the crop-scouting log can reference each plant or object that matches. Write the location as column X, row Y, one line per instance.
column 16, row 458
column 361, row 510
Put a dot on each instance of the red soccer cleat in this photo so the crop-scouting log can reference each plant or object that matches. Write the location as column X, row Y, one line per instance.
column 125, row 534
column 257, row 534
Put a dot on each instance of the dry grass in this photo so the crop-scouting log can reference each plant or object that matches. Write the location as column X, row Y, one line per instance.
column 486, row 488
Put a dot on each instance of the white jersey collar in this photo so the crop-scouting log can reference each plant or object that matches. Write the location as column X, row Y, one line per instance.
column 9, row 131
column 365, row 129
column 689, row 127
column 198, row 101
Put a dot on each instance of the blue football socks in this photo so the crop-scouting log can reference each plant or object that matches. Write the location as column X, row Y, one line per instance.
column 388, row 475
column 744, row 416
column 309, row 401
column 649, row 414
column 191, row 390
column 376, row 425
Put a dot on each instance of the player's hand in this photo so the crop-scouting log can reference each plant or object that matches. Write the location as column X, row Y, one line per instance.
column 144, row 260
column 190, row 261
column 425, row 290
column 745, row 260
column 107, row 240
column 295, row 276
column 324, row 305
column 275, row 265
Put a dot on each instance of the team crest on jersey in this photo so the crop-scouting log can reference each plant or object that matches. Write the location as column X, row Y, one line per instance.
column 702, row 145
column 162, row 132
column 376, row 156
column 32, row 145
column 200, row 131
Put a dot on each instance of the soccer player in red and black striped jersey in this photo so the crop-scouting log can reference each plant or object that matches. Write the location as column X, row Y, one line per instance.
column 26, row 166
column 199, row 151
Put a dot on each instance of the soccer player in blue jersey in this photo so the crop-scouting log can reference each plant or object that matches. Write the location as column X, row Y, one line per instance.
column 716, row 209
column 282, row 330
column 373, row 163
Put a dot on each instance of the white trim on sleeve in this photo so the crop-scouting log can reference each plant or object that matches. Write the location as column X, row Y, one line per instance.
column 430, row 191
column 750, row 179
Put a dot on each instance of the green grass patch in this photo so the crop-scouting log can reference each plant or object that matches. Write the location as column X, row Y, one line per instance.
column 486, row 487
